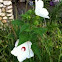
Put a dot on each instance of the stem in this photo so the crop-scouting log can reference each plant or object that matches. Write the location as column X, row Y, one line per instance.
column 26, row 5
column 13, row 31
column 16, row 10
column 44, row 22
column 59, row 56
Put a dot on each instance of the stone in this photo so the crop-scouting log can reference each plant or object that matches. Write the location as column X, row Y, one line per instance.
column 6, row 12
column 1, row 1
column 1, row 5
column 4, row 6
column 9, row 7
column 9, row 11
column 2, row 14
column 9, row 14
column 5, row 17
column 0, row 18
column 4, row 21
column 0, row 11
column 11, row 17
column 7, row 2
column 3, row 9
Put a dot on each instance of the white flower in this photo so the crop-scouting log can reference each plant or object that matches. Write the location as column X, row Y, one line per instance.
column 23, row 51
column 16, row 43
column 39, row 10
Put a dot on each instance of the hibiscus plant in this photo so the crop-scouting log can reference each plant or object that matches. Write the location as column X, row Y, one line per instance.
column 46, row 40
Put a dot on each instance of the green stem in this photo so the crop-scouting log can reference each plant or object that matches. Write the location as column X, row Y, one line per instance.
column 26, row 5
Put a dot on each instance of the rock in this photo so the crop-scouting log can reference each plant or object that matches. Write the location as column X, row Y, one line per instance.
column 9, row 11
column 1, row 1
column 0, row 11
column 1, row 5
column 5, row 17
column 7, row 2
column 6, row 12
column 11, row 17
column 4, row 21
column 3, row 9
column 9, row 7
column 2, row 14
column 0, row 18
column 4, row 6
column 9, row 14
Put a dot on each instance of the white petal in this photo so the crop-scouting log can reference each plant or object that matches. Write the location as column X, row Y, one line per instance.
column 14, row 51
column 31, row 54
column 40, row 4
column 26, row 44
column 16, row 43
column 21, row 53
column 28, row 53
column 29, row 44
column 39, row 10
column 21, row 58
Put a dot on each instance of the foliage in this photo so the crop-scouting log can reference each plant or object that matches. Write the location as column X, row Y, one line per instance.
column 46, row 40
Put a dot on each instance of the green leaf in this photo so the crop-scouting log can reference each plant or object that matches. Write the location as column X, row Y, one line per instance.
column 36, row 50
column 40, row 31
column 23, row 37
column 30, row 12
column 33, row 37
column 16, row 22
column 3, row 48
column 10, row 36
column 60, row 57
column 0, row 41
column 24, row 27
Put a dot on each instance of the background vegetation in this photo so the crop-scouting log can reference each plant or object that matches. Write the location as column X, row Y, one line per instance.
column 46, row 40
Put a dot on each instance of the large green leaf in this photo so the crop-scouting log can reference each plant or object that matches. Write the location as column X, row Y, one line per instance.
column 36, row 50
column 23, row 37
column 25, row 27
column 40, row 31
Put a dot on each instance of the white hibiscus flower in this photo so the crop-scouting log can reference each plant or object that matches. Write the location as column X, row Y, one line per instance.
column 22, row 51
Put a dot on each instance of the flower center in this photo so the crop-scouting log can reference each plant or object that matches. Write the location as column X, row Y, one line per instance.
column 23, row 48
